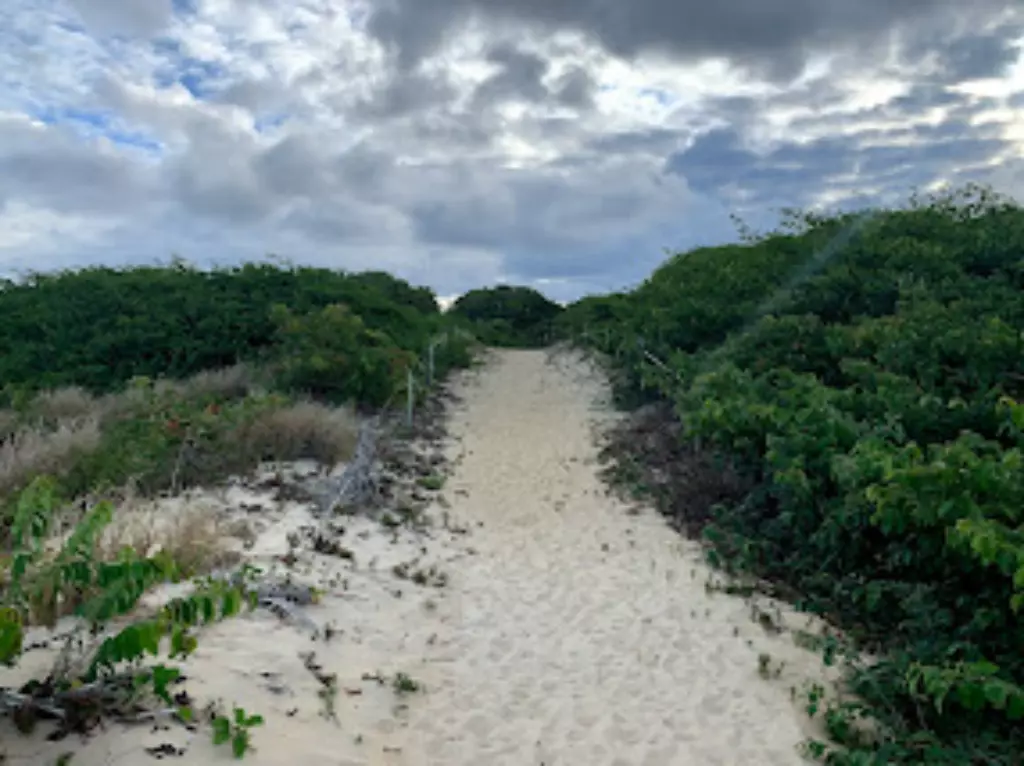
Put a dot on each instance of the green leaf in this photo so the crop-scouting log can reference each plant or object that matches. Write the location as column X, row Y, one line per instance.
column 240, row 743
column 971, row 696
column 997, row 694
column 1015, row 706
column 221, row 730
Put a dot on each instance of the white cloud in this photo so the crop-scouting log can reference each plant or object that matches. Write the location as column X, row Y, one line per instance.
column 516, row 150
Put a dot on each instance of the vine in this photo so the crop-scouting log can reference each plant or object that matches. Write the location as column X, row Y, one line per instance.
column 111, row 679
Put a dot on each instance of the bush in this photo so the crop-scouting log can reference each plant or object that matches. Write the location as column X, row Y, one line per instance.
column 137, row 428
column 40, row 586
column 865, row 371
column 97, row 328
column 332, row 354
column 508, row 316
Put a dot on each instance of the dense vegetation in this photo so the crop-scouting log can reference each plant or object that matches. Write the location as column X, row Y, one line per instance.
column 100, row 327
column 863, row 373
column 106, row 336
column 508, row 316
column 119, row 385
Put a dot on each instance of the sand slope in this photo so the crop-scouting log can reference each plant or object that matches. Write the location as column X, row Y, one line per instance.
column 571, row 632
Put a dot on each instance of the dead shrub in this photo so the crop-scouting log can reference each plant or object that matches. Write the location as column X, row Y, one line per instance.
column 187, row 529
column 235, row 382
column 229, row 383
column 63, row 404
column 304, row 430
column 9, row 422
column 685, row 482
column 32, row 451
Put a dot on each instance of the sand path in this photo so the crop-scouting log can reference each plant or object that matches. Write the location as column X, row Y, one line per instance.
column 571, row 631
column 579, row 633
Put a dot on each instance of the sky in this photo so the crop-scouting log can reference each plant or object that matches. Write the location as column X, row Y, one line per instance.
column 563, row 144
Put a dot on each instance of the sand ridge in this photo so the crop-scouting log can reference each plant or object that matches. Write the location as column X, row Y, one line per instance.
column 571, row 630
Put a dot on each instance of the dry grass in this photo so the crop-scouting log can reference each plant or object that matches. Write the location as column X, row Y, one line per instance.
column 190, row 531
column 187, row 529
column 684, row 482
column 302, row 430
column 8, row 424
column 234, row 382
column 62, row 426
column 32, row 451
column 63, row 404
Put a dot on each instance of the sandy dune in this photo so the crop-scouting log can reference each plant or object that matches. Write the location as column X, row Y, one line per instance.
column 569, row 632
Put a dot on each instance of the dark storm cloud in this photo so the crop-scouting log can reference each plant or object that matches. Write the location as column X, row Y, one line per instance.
column 338, row 220
column 960, row 110
column 978, row 57
column 50, row 167
column 406, row 94
column 129, row 17
column 921, row 97
column 652, row 141
column 770, row 37
column 899, row 158
column 969, row 57
column 718, row 159
column 576, row 89
column 602, row 218
column 521, row 76
column 938, row 156
column 292, row 167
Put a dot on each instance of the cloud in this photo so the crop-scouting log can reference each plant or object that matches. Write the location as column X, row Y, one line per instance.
column 48, row 166
column 126, row 17
column 562, row 144
column 773, row 37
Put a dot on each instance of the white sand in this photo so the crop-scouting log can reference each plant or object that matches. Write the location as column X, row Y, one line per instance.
column 571, row 632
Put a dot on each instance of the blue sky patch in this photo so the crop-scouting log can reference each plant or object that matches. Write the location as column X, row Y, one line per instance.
column 93, row 124
column 269, row 122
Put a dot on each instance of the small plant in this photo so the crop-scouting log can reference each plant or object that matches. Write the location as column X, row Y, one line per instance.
column 235, row 730
column 434, row 482
column 766, row 669
column 405, row 684
column 113, row 676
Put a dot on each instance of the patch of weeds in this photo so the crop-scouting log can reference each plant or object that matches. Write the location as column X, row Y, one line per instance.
column 431, row 575
column 766, row 668
column 769, row 623
column 403, row 683
column 434, row 482
column 328, row 692
column 328, row 547
column 235, row 730
column 411, row 515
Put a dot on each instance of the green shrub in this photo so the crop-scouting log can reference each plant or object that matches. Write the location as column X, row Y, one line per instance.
column 39, row 586
column 332, row 354
column 99, row 327
column 508, row 316
column 864, row 370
